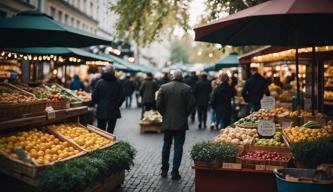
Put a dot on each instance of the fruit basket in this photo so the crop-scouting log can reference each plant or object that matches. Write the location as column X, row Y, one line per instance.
column 297, row 134
column 276, row 144
column 15, row 103
column 41, row 148
column 247, row 123
column 251, row 157
column 86, row 138
column 57, row 89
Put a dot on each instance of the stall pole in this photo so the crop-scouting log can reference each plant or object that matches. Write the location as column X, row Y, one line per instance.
column 320, row 94
column 313, row 100
column 297, row 84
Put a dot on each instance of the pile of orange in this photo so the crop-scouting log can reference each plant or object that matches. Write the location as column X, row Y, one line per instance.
column 296, row 134
column 44, row 148
column 87, row 139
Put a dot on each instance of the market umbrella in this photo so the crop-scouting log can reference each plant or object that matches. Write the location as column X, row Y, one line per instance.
column 276, row 22
column 227, row 62
column 35, row 29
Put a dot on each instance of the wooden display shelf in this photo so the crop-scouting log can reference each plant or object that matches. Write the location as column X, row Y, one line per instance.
column 150, row 127
column 235, row 180
column 42, row 118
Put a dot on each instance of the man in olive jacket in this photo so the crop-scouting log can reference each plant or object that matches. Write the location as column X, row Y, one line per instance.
column 108, row 95
column 175, row 102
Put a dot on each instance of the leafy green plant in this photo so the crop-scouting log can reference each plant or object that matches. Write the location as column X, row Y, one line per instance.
column 206, row 152
column 77, row 174
column 313, row 153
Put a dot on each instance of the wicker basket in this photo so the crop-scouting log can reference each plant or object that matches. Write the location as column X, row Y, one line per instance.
column 150, row 127
column 56, row 105
column 11, row 111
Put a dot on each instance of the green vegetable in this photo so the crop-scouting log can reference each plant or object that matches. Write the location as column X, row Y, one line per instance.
column 78, row 174
column 313, row 153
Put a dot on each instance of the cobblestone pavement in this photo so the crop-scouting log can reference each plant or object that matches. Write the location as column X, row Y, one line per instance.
column 145, row 175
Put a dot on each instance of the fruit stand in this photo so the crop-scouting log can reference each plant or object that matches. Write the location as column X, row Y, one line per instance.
column 290, row 145
column 39, row 148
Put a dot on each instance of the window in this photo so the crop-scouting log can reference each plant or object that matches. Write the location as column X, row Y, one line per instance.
column 91, row 9
column 72, row 22
column 78, row 24
column 52, row 12
column 83, row 26
column 66, row 19
column 60, row 16
column 85, row 6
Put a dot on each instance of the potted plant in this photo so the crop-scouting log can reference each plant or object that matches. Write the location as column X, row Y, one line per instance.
column 211, row 155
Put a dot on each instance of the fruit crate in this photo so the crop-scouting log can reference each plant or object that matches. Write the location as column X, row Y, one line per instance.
column 280, row 149
column 90, row 128
column 28, row 172
column 252, row 163
column 11, row 111
column 150, row 127
column 285, row 119
column 76, row 103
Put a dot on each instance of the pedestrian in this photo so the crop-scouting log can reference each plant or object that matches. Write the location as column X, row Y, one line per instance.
column 175, row 102
column 254, row 89
column 202, row 91
column 76, row 84
column 137, row 84
column 108, row 95
column 221, row 102
column 148, row 89
column 214, row 84
column 165, row 79
column 191, row 81
column 128, row 88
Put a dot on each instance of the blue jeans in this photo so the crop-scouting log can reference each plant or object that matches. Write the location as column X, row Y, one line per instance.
column 179, row 139
column 128, row 101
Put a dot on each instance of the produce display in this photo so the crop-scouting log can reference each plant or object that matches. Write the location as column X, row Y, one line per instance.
column 247, row 122
column 42, row 147
column 45, row 94
column 328, row 128
column 312, row 125
column 262, row 114
column 265, row 155
column 296, row 134
column 152, row 116
column 237, row 136
column 9, row 95
column 280, row 111
column 85, row 138
column 286, row 96
column 58, row 90
column 273, row 87
column 276, row 141
column 84, row 96
column 305, row 114
column 328, row 95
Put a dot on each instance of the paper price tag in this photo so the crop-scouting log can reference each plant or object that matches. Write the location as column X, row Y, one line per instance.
column 68, row 105
column 232, row 165
column 261, row 167
column 267, row 102
column 50, row 112
column 266, row 128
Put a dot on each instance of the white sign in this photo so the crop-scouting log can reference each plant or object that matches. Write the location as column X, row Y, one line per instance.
column 50, row 112
column 286, row 124
column 266, row 128
column 267, row 102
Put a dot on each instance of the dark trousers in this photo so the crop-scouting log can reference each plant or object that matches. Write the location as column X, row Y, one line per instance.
column 202, row 115
column 147, row 107
column 128, row 101
column 179, row 139
column 223, row 119
column 101, row 123
column 193, row 116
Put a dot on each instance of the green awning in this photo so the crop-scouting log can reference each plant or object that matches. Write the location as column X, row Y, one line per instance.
column 35, row 29
column 147, row 68
column 227, row 62
column 116, row 60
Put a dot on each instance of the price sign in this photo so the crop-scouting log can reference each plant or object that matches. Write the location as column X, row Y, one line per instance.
column 267, row 103
column 286, row 124
column 266, row 128
column 50, row 112
column 232, row 165
column 261, row 167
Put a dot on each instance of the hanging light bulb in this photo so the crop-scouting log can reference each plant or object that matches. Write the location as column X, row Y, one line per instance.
column 9, row 55
column 40, row 58
column 2, row 53
column 30, row 57
column 25, row 58
column 15, row 56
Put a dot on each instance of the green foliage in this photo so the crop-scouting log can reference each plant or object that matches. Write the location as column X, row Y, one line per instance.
column 178, row 53
column 313, row 153
column 144, row 20
column 206, row 152
column 77, row 174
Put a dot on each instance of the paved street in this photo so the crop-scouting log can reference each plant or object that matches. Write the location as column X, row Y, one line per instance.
column 145, row 175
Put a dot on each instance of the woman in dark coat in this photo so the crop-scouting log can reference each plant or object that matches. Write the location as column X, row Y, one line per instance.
column 221, row 102
column 108, row 95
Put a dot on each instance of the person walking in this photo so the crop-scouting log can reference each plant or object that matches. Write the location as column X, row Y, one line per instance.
column 254, row 89
column 147, row 90
column 175, row 102
column 221, row 102
column 76, row 84
column 202, row 91
column 128, row 87
column 191, row 81
column 108, row 95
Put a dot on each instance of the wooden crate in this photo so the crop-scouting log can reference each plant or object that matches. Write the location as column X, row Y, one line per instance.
column 27, row 172
column 91, row 128
column 150, row 127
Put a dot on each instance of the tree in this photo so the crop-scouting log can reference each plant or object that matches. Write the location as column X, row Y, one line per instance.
column 178, row 53
column 143, row 20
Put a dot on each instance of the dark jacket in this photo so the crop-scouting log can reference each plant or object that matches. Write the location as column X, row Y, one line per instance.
column 221, row 98
column 202, row 91
column 147, row 90
column 76, row 84
column 128, row 87
column 255, row 88
column 175, row 102
column 191, row 81
column 108, row 95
